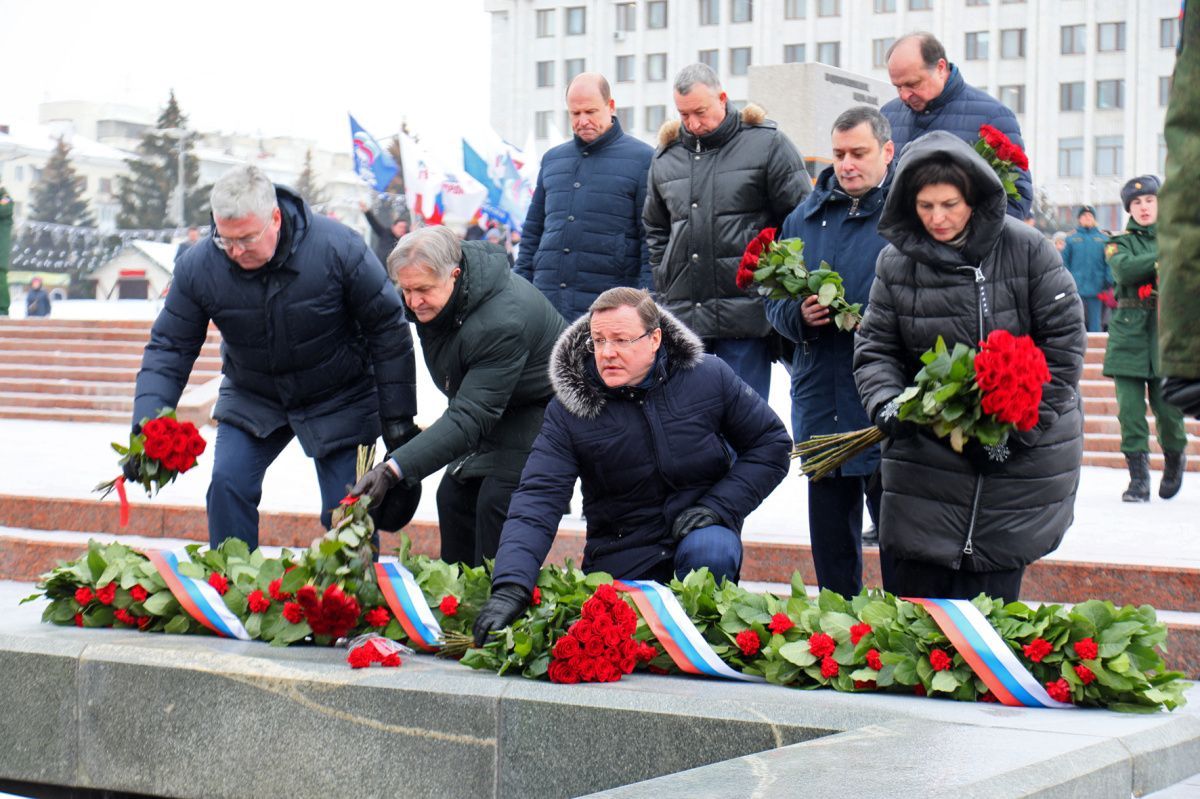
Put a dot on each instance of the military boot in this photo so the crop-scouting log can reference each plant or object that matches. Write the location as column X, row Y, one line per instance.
column 1172, row 477
column 1139, row 477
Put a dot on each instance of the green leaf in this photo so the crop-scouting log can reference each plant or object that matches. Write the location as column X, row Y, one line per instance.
column 596, row 579
column 178, row 625
column 162, row 603
column 797, row 652
column 294, row 579
column 828, row 292
column 193, row 570
column 945, row 681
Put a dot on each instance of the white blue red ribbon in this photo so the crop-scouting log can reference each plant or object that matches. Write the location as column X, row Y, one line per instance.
column 987, row 654
column 199, row 599
column 676, row 632
column 407, row 602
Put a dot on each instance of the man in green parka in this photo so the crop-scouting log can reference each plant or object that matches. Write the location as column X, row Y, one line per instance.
column 6, row 215
column 487, row 335
column 1132, row 355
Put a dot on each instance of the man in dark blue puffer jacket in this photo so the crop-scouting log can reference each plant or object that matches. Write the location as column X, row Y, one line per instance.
column 583, row 234
column 314, row 346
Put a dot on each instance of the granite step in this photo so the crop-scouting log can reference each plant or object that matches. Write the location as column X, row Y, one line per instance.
column 49, row 360
column 63, row 414
column 112, row 374
column 43, row 385
column 1111, row 442
column 1116, row 460
column 211, row 349
column 122, row 401
column 1110, row 424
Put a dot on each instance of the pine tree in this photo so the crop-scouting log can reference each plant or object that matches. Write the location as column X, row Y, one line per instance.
column 58, row 194
column 147, row 193
column 306, row 185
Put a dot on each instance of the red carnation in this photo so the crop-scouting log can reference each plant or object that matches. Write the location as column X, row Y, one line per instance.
column 84, row 595
column 988, row 696
column 939, row 660
column 360, row 657
column 873, row 659
column 78, row 619
column 106, row 593
column 1085, row 675
column 1037, row 649
column 919, row 690
column 378, row 617
column 391, row 661
column 257, row 602
column 829, row 667
column 138, row 593
column 125, row 617
column 293, row 612
column 276, row 594
column 858, row 632
column 537, row 596
column 821, row 645
column 1144, row 291
column 865, row 685
column 780, row 624
column 748, row 642
column 1086, row 649
column 143, row 622
column 218, row 582
column 646, row 652
column 1059, row 690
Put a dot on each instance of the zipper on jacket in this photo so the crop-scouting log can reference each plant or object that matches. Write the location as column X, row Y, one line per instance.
column 969, row 546
column 981, row 285
column 853, row 206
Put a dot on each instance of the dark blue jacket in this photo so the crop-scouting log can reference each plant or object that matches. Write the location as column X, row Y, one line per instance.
column 316, row 339
column 960, row 109
column 643, row 455
column 583, row 232
column 840, row 230
column 1084, row 259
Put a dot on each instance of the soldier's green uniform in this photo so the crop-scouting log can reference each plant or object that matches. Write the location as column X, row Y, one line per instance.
column 6, row 214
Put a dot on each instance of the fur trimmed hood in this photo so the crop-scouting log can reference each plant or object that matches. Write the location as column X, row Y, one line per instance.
column 668, row 134
column 576, row 386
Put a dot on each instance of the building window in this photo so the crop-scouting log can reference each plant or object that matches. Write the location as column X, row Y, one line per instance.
column 1012, row 43
column 1070, row 96
column 1164, row 90
column 656, row 14
column 795, row 9
column 1072, row 39
column 1014, row 98
column 741, row 10
column 106, row 185
column 1110, row 37
column 1110, row 153
column 829, row 8
column 977, row 2
column 885, row 6
column 624, row 68
column 739, row 60
column 573, row 67
column 710, row 12
column 545, row 22
column 545, row 74
column 656, row 66
column 626, row 17
column 625, row 117
column 830, row 53
column 793, row 54
column 542, row 122
column 712, row 58
column 1070, row 158
column 576, row 21
column 1162, row 154
column 1110, row 94
column 920, row 5
column 976, row 46
column 656, row 115
column 1168, row 32
column 879, row 48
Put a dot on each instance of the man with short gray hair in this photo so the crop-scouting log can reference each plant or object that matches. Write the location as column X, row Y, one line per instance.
column 314, row 346
column 717, row 178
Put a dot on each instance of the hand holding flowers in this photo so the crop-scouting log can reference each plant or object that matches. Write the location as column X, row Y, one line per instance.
column 778, row 269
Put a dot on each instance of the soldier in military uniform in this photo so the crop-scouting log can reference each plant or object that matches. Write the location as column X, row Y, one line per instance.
column 6, row 215
column 1132, row 355
column 1083, row 256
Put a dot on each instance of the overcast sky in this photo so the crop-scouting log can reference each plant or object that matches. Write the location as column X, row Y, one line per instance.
column 279, row 68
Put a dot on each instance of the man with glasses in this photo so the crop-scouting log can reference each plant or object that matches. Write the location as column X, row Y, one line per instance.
column 314, row 346
column 672, row 448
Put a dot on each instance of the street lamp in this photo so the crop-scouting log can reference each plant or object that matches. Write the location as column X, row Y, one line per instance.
column 181, row 134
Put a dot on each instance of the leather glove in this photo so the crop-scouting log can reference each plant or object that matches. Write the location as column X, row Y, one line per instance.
column 692, row 518
column 376, row 483
column 507, row 601
column 1184, row 394
column 398, row 432
column 890, row 423
column 130, row 470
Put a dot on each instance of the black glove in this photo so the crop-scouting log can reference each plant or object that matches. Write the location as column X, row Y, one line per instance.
column 376, row 483
column 1184, row 394
column 507, row 601
column 692, row 518
column 888, row 420
column 130, row 470
column 398, row 432
column 986, row 460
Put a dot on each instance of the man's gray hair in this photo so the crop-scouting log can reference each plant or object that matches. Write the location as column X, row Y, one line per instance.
column 692, row 74
column 851, row 118
column 242, row 191
column 437, row 247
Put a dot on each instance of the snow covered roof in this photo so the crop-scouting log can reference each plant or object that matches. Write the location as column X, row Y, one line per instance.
column 43, row 139
column 162, row 254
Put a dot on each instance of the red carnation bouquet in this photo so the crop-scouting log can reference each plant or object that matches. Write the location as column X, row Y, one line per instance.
column 960, row 394
column 600, row 646
column 164, row 449
column 778, row 271
column 1003, row 156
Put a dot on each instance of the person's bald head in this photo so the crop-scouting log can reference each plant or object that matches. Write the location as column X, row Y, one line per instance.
column 918, row 68
column 590, row 106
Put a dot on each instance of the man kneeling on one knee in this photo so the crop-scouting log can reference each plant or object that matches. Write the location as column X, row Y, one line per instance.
column 672, row 449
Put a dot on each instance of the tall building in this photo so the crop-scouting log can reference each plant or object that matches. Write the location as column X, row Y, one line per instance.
column 1088, row 79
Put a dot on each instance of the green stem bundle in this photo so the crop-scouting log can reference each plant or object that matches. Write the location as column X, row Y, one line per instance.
column 824, row 454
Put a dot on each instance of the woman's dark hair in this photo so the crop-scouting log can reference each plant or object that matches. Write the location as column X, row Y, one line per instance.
column 938, row 170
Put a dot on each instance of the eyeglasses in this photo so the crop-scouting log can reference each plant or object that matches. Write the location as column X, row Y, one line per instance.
column 594, row 344
column 244, row 243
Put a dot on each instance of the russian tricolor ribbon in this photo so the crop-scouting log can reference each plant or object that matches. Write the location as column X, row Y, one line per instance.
column 198, row 598
column 987, row 654
column 119, row 484
column 407, row 602
column 676, row 632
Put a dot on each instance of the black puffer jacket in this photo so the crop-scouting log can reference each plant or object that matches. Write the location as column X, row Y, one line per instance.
column 935, row 507
column 707, row 198
column 316, row 339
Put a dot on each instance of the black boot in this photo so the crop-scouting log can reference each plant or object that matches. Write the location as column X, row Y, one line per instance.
column 1139, row 477
column 1172, row 477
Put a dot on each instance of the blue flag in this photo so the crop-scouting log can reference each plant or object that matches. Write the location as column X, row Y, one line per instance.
column 373, row 163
